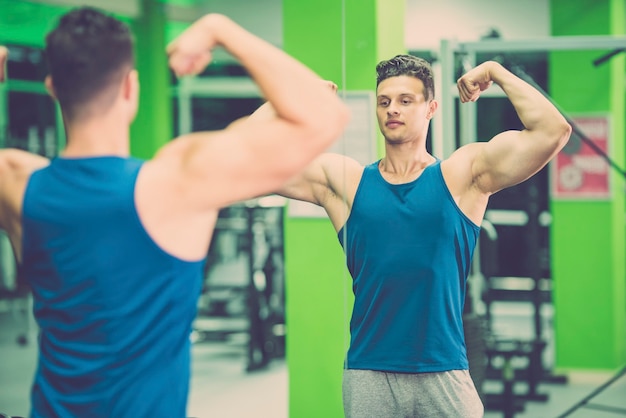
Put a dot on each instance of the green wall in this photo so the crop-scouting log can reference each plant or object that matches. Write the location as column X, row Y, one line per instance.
column 341, row 41
column 314, row 265
column 152, row 127
column 27, row 23
column 588, row 236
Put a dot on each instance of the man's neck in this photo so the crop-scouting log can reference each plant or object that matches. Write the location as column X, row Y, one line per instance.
column 405, row 159
column 97, row 137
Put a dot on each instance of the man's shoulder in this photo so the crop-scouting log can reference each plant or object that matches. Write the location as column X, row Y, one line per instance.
column 16, row 163
column 462, row 158
column 343, row 172
column 341, row 163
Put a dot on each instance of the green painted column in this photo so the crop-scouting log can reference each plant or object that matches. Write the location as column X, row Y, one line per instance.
column 342, row 40
column 588, row 237
column 152, row 127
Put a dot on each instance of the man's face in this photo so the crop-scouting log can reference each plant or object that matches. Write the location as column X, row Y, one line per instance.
column 403, row 113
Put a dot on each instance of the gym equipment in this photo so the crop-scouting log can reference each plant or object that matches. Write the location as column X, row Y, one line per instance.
column 20, row 301
column 265, row 290
column 29, row 121
column 243, row 292
column 500, row 354
column 606, row 57
column 14, row 291
column 507, row 401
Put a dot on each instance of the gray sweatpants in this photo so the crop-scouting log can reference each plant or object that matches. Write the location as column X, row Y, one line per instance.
column 374, row 394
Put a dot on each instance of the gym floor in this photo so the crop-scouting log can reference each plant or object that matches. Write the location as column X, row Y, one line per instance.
column 222, row 388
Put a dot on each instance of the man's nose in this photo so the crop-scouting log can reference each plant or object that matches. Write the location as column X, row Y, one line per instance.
column 392, row 110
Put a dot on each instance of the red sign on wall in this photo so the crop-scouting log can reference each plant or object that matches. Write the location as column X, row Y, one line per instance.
column 578, row 171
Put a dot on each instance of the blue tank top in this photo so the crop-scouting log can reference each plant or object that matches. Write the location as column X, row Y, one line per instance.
column 408, row 249
column 114, row 310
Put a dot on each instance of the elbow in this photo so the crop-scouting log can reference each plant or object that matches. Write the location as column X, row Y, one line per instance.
column 563, row 134
column 334, row 124
column 557, row 134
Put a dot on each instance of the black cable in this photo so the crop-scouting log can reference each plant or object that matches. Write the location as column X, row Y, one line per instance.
column 597, row 62
column 586, row 399
column 606, row 408
column 575, row 129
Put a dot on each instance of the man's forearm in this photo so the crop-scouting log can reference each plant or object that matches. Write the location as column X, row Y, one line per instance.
column 295, row 95
column 534, row 110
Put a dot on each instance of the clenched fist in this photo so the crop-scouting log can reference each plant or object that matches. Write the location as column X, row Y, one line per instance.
column 474, row 82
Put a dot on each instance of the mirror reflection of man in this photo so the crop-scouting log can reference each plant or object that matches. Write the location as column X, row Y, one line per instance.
column 408, row 224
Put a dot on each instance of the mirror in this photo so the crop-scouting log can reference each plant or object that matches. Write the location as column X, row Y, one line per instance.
column 277, row 297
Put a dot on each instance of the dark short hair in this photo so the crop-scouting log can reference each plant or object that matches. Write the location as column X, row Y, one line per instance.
column 408, row 65
column 88, row 52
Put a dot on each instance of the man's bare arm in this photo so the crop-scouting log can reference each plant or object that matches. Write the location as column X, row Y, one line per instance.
column 330, row 181
column 257, row 157
column 16, row 167
column 513, row 156
column 4, row 53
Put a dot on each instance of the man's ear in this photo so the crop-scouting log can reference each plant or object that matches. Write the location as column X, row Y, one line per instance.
column 130, row 93
column 50, row 87
column 130, row 85
column 432, row 108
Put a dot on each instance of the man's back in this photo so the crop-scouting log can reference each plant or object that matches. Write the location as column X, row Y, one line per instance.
column 111, row 305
